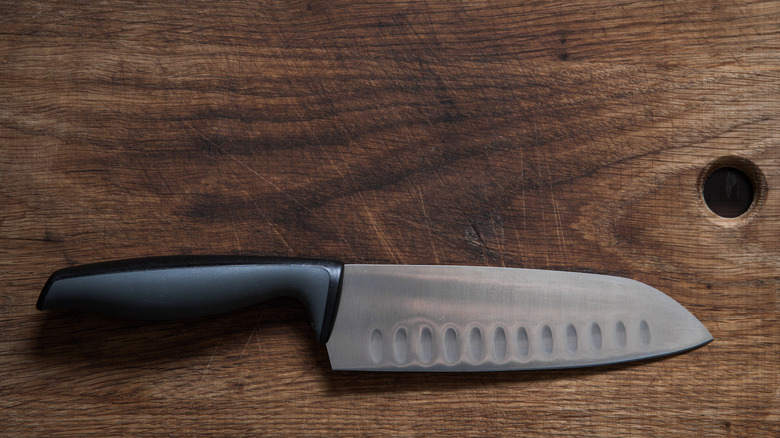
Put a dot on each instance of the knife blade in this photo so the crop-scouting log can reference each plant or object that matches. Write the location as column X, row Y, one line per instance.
column 404, row 317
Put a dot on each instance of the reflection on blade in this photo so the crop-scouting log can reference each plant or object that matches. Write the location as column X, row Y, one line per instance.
column 453, row 318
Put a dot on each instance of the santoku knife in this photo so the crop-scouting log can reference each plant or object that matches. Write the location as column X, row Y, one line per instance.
column 404, row 318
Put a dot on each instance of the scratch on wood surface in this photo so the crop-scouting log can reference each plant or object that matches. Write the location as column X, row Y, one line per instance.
column 211, row 359
column 522, row 189
column 433, row 231
column 260, row 316
column 248, row 340
column 386, row 241
column 452, row 197
column 556, row 211
column 326, row 220
column 254, row 172
column 235, row 233
column 480, row 239
column 428, row 226
column 498, row 234
column 304, row 420
column 554, row 202
column 273, row 226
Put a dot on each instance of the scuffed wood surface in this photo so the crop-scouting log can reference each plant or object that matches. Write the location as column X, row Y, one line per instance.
column 538, row 134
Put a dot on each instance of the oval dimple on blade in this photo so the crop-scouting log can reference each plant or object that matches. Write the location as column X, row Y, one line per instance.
column 450, row 346
column 475, row 344
column 572, row 340
column 523, row 344
column 595, row 335
column 499, row 344
column 400, row 345
column 426, row 345
column 644, row 332
column 621, row 337
column 376, row 346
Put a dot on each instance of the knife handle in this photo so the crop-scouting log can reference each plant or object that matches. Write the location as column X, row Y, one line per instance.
column 191, row 286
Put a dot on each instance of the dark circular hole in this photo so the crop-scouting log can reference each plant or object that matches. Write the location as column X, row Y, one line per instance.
column 728, row 191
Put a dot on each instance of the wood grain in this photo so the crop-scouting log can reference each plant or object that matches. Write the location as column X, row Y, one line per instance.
column 536, row 134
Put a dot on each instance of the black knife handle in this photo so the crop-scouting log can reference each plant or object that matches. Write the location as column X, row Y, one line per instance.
column 190, row 286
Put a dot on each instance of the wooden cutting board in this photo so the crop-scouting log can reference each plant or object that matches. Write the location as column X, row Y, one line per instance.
column 544, row 134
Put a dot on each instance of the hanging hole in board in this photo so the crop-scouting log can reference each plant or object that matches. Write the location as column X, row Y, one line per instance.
column 732, row 187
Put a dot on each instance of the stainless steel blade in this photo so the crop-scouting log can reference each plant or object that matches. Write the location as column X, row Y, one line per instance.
column 457, row 318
